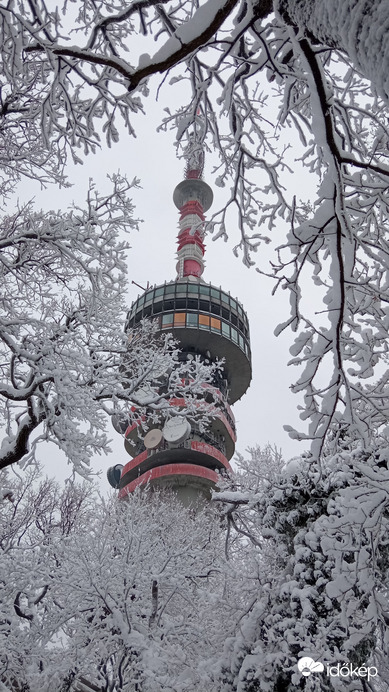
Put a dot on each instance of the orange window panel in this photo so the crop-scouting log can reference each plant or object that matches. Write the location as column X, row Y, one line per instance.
column 179, row 319
column 204, row 320
column 215, row 323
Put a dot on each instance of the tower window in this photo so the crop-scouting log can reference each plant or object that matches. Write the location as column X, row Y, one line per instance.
column 179, row 319
column 191, row 319
column 203, row 321
column 167, row 321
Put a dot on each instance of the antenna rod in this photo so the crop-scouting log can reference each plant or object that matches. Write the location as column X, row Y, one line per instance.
column 139, row 286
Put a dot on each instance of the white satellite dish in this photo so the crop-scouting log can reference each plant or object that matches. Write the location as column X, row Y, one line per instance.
column 153, row 438
column 176, row 430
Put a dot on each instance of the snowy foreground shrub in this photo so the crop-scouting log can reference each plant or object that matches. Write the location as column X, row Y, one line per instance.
column 323, row 532
column 146, row 595
column 127, row 596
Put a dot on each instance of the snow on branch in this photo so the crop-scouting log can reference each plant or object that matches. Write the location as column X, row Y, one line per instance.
column 66, row 361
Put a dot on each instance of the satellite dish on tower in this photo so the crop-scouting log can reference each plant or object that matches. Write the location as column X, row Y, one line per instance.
column 176, row 430
column 113, row 474
column 153, row 438
column 120, row 423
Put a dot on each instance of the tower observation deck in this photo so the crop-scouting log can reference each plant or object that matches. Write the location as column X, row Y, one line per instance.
column 207, row 322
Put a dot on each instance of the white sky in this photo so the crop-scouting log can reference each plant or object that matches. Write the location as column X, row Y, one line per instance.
column 268, row 404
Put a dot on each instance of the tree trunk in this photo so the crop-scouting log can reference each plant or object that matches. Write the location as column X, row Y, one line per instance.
column 360, row 28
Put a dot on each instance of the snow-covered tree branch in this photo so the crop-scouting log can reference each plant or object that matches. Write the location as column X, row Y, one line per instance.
column 78, row 74
column 61, row 285
column 65, row 359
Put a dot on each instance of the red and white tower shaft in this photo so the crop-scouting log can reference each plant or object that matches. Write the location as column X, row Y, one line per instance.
column 193, row 197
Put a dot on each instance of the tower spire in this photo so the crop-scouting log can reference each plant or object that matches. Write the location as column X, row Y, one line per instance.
column 194, row 155
column 193, row 197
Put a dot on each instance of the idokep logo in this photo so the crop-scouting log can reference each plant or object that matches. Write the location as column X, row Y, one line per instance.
column 307, row 665
column 347, row 670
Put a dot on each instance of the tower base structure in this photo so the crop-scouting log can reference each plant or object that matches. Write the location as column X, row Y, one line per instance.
column 189, row 483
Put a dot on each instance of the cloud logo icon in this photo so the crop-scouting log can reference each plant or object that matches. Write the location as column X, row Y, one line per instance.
column 307, row 665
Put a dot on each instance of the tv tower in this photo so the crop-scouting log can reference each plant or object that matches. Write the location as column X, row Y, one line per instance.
column 208, row 322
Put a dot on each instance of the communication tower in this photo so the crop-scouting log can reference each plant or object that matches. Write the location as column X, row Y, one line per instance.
column 207, row 322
